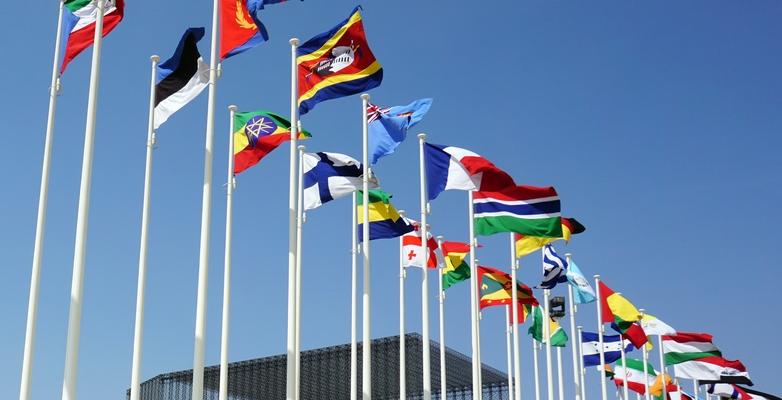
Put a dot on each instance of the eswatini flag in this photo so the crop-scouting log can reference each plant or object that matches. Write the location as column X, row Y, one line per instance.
column 78, row 25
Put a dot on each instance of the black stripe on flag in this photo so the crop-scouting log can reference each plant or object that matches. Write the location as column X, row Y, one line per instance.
column 182, row 72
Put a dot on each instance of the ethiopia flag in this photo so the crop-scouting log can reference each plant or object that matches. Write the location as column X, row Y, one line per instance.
column 336, row 63
column 527, row 210
column 78, row 24
column 455, row 269
column 256, row 134
column 556, row 333
column 495, row 289
column 384, row 220
column 526, row 244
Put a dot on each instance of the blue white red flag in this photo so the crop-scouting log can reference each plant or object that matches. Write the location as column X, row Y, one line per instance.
column 554, row 268
column 612, row 348
column 454, row 168
column 329, row 176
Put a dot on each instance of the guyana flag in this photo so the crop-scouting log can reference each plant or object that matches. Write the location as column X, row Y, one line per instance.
column 618, row 311
column 456, row 269
column 256, row 134
column 495, row 289
column 530, row 244
column 556, row 333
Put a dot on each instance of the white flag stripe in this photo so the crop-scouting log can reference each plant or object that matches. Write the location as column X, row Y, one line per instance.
column 517, row 202
column 510, row 214
column 671, row 346
column 704, row 371
column 190, row 91
column 88, row 14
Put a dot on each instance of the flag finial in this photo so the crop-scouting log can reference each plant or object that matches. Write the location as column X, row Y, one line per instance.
column 294, row 41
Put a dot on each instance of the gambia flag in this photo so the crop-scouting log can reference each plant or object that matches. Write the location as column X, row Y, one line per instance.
column 527, row 210
column 256, row 134
column 78, row 24
column 526, row 244
column 384, row 220
column 456, row 269
column 633, row 373
column 556, row 333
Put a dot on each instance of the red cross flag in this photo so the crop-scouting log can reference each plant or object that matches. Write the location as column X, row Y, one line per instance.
column 411, row 248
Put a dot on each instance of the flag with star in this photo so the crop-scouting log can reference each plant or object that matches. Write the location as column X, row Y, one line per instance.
column 256, row 134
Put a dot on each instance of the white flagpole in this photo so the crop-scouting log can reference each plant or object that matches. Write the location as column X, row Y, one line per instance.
column 230, row 185
column 135, row 374
column 353, row 308
column 80, row 247
column 43, row 195
column 366, row 352
column 645, row 353
column 573, row 309
column 508, row 351
column 477, row 392
column 603, row 390
column 662, row 366
column 402, row 357
column 427, row 373
column 695, row 388
column 560, row 378
column 547, row 339
column 625, row 392
column 515, row 319
column 536, row 368
column 300, row 219
column 581, row 369
column 441, row 296
column 290, row 379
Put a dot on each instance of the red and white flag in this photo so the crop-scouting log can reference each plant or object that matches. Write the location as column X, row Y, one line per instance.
column 411, row 248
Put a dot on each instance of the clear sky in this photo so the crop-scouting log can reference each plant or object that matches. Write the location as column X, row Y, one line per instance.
column 658, row 122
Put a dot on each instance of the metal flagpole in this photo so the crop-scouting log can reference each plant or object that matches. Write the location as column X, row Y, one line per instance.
column 573, row 309
column 402, row 357
column 515, row 310
column 695, row 388
column 508, row 351
column 300, row 219
column 441, row 296
column 80, row 247
column 353, row 308
column 603, row 390
column 135, row 374
column 625, row 392
column 229, row 192
column 43, row 195
column 477, row 393
column 662, row 366
column 290, row 379
column 366, row 352
column 547, row 339
column 581, row 368
column 536, row 368
column 560, row 378
column 427, row 373
column 645, row 353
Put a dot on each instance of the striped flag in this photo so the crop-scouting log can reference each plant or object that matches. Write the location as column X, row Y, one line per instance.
column 384, row 220
column 694, row 356
column 612, row 348
column 181, row 78
column 527, row 210
column 454, row 168
column 455, row 269
column 78, row 20
column 633, row 373
column 554, row 268
column 556, row 333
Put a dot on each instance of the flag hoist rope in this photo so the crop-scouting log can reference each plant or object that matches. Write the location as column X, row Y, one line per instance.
column 601, row 349
column 353, row 308
column 426, row 344
column 230, row 186
column 290, row 381
column 300, row 219
column 80, row 245
column 366, row 349
column 441, row 298
column 138, row 333
column 581, row 369
column 40, row 225
column 515, row 318
column 572, row 314
column 402, row 360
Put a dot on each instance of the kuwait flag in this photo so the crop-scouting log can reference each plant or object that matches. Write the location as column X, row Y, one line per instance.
column 78, row 23
column 694, row 356
column 633, row 372
column 528, row 210
column 454, row 168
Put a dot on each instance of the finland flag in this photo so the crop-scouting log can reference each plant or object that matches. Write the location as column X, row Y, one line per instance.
column 329, row 176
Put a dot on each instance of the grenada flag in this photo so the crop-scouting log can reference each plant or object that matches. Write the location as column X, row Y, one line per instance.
column 78, row 24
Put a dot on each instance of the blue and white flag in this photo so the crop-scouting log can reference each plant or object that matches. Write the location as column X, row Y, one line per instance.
column 329, row 176
column 582, row 290
column 612, row 348
column 181, row 78
column 554, row 268
column 388, row 126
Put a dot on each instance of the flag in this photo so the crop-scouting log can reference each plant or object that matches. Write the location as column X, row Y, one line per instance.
column 495, row 289
column 727, row 390
column 384, row 221
column 78, row 25
column 336, row 63
column 240, row 28
column 529, row 244
column 694, row 356
column 685, row 346
column 329, row 176
column 656, row 389
column 582, row 290
column 619, row 311
column 523, row 311
column 181, row 78
column 612, row 348
column 449, row 167
column 388, row 126
column 411, row 247
column 455, row 268
column 556, row 333
column 675, row 392
column 528, row 210
column 633, row 372
column 554, row 268
column 256, row 134
column 263, row 3
column 756, row 394
column 654, row 326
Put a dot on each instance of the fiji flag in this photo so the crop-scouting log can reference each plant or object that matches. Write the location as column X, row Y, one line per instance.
column 329, row 176
column 388, row 126
column 336, row 63
column 181, row 78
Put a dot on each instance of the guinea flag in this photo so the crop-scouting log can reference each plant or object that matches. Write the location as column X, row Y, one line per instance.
column 256, row 134
column 78, row 24
column 622, row 313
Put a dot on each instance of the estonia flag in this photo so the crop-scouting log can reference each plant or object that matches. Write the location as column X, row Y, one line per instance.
column 180, row 78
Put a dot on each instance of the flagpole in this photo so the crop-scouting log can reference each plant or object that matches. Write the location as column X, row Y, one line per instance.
column 353, row 307
column 581, row 369
column 645, row 353
column 625, row 392
column 536, row 368
column 547, row 338
column 662, row 366
column 477, row 393
column 573, row 309
column 603, row 390
column 427, row 373
column 560, row 378
column 135, row 374
column 80, row 246
column 366, row 352
column 443, row 376
column 515, row 310
column 300, row 219
column 402, row 357
column 230, row 185
column 508, row 351
column 290, row 380
column 40, row 225
column 695, row 388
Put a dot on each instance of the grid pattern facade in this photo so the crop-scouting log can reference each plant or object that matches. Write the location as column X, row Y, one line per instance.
column 325, row 374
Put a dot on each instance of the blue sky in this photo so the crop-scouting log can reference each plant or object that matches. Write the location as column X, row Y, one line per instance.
column 658, row 123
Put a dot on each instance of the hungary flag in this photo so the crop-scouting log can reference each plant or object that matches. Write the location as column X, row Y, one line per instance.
column 78, row 24
column 694, row 356
column 633, row 372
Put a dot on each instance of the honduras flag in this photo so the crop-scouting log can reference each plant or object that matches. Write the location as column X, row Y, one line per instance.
column 612, row 348
column 554, row 268
column 582, row 291
column 329, row 176
column 181, row 78
column 388, row 126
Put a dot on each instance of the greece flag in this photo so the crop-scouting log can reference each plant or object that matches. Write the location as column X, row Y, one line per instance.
column 329, row 176
column 181, row 78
